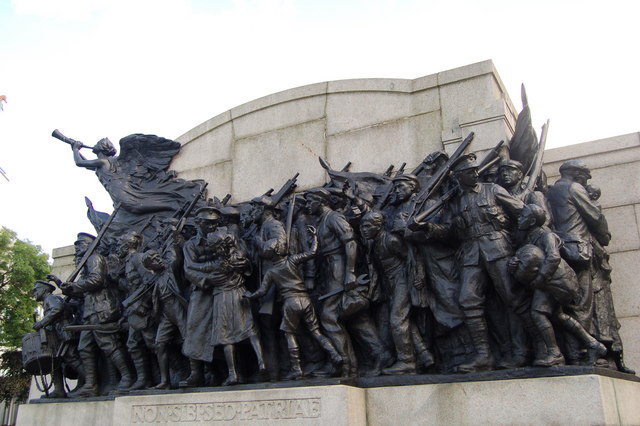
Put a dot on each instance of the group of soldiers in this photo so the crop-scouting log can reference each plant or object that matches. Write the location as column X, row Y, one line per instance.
column 364, row 276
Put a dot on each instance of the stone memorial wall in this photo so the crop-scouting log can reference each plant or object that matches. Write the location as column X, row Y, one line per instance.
column 375, row 123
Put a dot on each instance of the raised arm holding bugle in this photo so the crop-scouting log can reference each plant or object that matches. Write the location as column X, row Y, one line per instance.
column 58, row 135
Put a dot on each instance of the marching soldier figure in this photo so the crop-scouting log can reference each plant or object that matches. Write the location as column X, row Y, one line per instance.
column 480, row 215
column 101, row 316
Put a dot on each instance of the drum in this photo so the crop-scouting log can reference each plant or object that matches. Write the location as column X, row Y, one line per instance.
column 37, row 358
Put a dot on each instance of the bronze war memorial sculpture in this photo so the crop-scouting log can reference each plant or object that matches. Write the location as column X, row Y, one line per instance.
column 468, row 263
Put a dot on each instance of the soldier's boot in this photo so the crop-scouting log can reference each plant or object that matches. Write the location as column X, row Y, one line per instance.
column 196, row 377
column 405, row 364
column 120, row 362
column 595, row 351
column 328, row 347
column 140, row 361
column 76, row 364
column 296, row 369
column 424, row 357
column 163, row 365
column 90, row 387
column 483, row 359
column 406, row 361
column 230, row 357
column 619, row 360
column 548, row 353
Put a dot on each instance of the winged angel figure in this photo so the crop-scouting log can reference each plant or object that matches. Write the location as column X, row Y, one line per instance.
column 138, row 179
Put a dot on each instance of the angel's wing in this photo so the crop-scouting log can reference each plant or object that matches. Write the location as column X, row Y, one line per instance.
column 146, row 156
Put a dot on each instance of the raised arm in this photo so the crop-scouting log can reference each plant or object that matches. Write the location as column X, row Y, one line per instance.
column 83, row 162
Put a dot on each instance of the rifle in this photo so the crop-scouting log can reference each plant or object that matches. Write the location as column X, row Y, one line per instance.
column 58, row 135
column 491, row 154
column 144, row 289
column 439, row 176
column 447, row 195
column 536, row 167
column 226, row 199
column 387, row 173
column 285, row 190
column 400, row 171
column 289, row 223
column 94, row 245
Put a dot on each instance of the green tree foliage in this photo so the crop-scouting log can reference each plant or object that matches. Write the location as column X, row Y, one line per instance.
column 14, row 381
column 21, row 264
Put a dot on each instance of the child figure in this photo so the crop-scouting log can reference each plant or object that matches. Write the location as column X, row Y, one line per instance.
column 555, row 287
column 297, row 306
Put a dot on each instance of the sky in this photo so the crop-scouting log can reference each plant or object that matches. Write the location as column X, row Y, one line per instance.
column 109, row 68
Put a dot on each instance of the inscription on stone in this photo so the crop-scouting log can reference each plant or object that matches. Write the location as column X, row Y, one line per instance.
column 272, row 409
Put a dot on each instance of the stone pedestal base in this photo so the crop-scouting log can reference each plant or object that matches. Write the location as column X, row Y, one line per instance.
column 410, row 400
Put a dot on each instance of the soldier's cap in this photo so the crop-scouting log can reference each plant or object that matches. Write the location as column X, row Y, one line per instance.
column 264, row 200
column 408, row 178
column 84, row 236
column 318, row 193
column 208, row 213
column 466, row 161
column 575, row 165
column 512, row 164
column 40, row 283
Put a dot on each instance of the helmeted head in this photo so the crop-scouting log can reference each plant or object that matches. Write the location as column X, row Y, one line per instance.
column 260, row 205
column 104, row 146
column 465, row 170
column 207, row 218
column 132, row 240
column 371, row 224
column 83, row 241
column 315, row 199
column 41, row 289
column 404, row 186
column 576, row 170
column 510, row 173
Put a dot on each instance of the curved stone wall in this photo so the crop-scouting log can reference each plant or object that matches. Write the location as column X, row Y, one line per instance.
column 371, row 122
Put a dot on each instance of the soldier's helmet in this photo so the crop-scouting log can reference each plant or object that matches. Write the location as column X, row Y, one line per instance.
column 318, row 194
column 466, row 161
column 208, row 213
column 512, row 164
column 84, row 236
column 577, row 165
column 44, row 284
column 408, row 178
column 264, row 200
